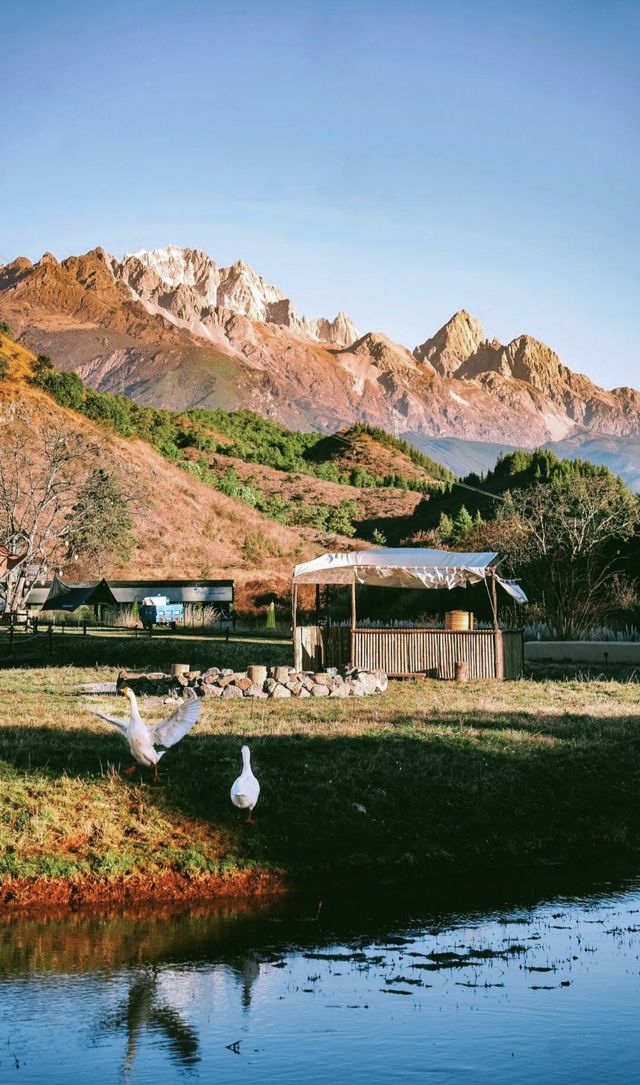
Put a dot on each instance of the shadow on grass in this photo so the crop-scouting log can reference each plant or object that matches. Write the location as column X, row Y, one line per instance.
column 490, row 789
column 142, row 653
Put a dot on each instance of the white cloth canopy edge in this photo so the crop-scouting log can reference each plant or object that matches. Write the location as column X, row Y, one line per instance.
column 403, row 567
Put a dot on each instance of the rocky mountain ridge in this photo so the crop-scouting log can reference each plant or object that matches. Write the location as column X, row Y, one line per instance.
column 187, row 287
column 170, row 327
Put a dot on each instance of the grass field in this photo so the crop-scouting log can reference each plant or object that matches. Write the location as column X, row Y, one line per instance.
column 487, row 773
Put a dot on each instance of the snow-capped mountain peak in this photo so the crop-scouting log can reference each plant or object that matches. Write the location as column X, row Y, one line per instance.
column 173, row 280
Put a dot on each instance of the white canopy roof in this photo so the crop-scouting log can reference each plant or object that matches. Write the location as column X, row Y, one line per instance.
column 403, row 567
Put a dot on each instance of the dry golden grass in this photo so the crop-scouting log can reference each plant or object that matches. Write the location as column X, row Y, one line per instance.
column 183, row 528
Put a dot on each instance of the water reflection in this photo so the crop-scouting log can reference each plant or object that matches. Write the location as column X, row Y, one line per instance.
column 145, row 1008
column 534, row 982
column 247, row 970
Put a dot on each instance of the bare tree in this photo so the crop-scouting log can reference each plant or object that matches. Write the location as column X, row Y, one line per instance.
column 567, row 540
column 40, row 474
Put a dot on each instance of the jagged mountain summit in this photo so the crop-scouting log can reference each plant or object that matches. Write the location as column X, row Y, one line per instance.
column 461, row 350
column 172, row 328
column 188, row 288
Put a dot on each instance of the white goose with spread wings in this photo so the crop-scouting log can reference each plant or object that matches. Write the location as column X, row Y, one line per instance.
column 144, row 737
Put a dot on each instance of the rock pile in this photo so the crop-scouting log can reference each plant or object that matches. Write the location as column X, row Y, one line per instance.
column 260, row 683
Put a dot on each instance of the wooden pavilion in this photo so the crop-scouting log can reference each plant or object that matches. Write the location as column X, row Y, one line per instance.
column 405, row 651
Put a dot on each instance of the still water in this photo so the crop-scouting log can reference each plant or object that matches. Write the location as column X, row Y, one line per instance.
column 519, row 984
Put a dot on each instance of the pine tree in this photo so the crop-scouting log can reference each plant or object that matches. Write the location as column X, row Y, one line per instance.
column 462, row 523
column 445, row 529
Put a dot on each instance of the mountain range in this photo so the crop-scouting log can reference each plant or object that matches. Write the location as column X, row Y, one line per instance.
column 171, row 328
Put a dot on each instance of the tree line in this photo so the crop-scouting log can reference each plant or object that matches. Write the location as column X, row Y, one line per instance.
column 570, row 530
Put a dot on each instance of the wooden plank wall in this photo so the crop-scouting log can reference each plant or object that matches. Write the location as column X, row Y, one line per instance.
column 513, row 653
column 318, row 647
column 433, row 652
column 308, row 641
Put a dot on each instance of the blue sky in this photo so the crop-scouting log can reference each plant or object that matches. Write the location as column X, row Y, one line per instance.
column 397, row 160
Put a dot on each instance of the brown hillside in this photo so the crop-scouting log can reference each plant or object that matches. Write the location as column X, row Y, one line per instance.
column 183, row 528
column 374, row 503
column 349, row 450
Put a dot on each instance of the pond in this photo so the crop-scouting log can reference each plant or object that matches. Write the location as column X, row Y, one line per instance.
column 518, row 983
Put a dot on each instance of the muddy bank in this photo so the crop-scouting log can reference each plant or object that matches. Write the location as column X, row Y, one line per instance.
column 54, row 894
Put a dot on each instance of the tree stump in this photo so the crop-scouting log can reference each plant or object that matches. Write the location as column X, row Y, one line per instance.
column 281, row 674
column 179, row 668
column 462, row 670
column 258, row 674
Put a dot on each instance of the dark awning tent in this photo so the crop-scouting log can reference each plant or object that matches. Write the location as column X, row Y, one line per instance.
column 84, row 594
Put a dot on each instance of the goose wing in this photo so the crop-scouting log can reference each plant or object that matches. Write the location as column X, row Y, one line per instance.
column 120, row 724
column 171, row 730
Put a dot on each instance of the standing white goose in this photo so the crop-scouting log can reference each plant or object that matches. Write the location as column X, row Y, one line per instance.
column 245, row 790
column 143, row 737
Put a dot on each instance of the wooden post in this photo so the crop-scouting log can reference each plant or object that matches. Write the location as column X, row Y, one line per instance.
column 494, row 599
column 317, row 604
column 297, row 655
column 498, row 647
column 353, row 602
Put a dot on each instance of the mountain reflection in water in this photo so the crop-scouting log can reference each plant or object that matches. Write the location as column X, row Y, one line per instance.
column 513, row 982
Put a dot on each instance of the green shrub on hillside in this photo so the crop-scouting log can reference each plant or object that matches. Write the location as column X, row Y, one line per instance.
column 250, row 437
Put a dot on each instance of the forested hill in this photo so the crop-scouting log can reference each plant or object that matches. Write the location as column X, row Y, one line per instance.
column 476, row 496
column 360, row 476
column 263, row 496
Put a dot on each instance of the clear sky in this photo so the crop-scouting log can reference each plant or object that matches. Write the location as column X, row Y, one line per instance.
column 396, row 159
